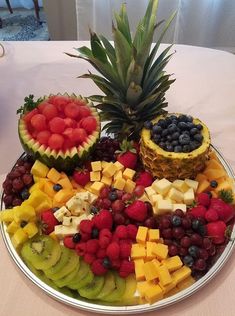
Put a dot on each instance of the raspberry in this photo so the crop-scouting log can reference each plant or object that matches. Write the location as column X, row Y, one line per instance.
column 89, row 258
column 198, row 211
column 86, row 226
column 115, row 238
column 104, row 242
column 121, row 232
column 105, row 232
column 211, row 215
column 81, row 248
column 103, row 220
column 126, row 268
column 68, row 242
column 125, row 250
column 98, row 268
column 113, row 251
column 132, row 231
column 203, row 199
column 92, row 246
column 116, row 264
column 101, row 253
column 85, row 236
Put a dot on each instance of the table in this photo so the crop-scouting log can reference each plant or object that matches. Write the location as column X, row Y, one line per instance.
column 204, row 88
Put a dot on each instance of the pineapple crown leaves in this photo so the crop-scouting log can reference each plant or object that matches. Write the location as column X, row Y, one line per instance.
column 226, row 196
column 134, row 84
column 125, row 146
column 29, row 104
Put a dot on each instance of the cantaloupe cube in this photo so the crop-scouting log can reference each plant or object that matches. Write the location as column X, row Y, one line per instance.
column 54, row 175
column 48, row 189
column 213, row 164
column 212, row 155
column 224, row 184
column 63, row 195
column 213, row 174
column 203, row 186
column 200, row 177
column 65, row 183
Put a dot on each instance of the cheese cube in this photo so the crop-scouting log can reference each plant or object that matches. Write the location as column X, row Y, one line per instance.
column 153, row 234
column 104, row 164
column 182, row 207
column 117, row 175
column 106, row 180
column 128, row 173
column 176, row 195
column 96, row 166
column 61, row 212
column 160, row 250
column 67, row 221
column 87, row 196
column 54, row 175
column 119, row 183
column 162, row 186
column 153, row 293
column 155, row 198
column 192, row 184
column 189, row 197
column 154, row 184
column 181, row 274
column 119, row 166
column 95, row 176
column 144, row 198
column 150, row 271
column 138, row 251
column 75, row 205
column 164, row 275
column 142, row 234
column 109, row 170
column 150, row 191
column 173, row 263
column 163, row 206
column 139, row 269
column 180, row 185
column 149, row 248
column 129, row 186
column 96, row 187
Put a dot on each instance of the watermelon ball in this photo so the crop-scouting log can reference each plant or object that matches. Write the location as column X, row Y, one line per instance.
column 56, row 141
column 89, row 123
column 59, row 101
column 49, row 111
column 79, row 135
column 57, row 125
column 70, row 122
column 72, row 110
column 43, row 137
column 84, row 111
column 38, row 122
column 29, row 115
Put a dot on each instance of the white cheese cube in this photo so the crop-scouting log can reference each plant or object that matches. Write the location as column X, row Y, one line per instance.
column 67, row 221
column 61, row 212
column 144, row 198
column 162, row 186
column 192, row 184
column 74, row 205
column 180, row 185
column 58, row 230
column 84, row 196
column 69, row 230
column 180, row 206
column 163, row 206
column 175, row 195
column 155, row 198
column 150, row 191
column 189, row 197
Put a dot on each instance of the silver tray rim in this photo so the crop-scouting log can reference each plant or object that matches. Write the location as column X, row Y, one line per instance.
column 109, row 309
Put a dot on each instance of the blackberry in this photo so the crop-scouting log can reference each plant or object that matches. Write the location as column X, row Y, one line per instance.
column 105, row 149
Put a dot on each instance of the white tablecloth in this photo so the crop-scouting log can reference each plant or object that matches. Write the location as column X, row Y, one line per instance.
column 204, row 88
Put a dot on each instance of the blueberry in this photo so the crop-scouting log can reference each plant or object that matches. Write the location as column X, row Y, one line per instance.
column 199, row 127
column 162, row 123
column 184, row 139
column 186, row 149
column 195, row 224
column 54, row 209
column 202, row 229
column 193, row 251
column 148, row 124
column 193, row 145
column 188, row 261
column 173, row 117
column 76, row 238
column 193, row 131
column 169, row 147
column 183, row 126
column 214, row 184
column 198, row 137
column 94, row 233
column 175, row 135
column 169, row 137
column 176, row 220
column 165, row 132
column 190, row 125
column 172, row 128
column 162, row 145
column 106, row 263
column 157, row 129
column 113, row 196
column 25, row 194
column 178, row 149
column 57, row 187
column 94, row 209
column 23, row 224
column 168, row 121
column 183, row 118
column 189, row 118
column 175, row 143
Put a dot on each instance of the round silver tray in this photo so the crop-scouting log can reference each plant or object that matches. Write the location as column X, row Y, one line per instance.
column 109, row 309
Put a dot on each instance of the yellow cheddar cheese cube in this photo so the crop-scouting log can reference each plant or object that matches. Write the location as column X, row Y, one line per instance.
column 138, row 251
column 96, row 166
column 129, row 186
column 142, row 233
column 175, row 195
column 128, row 173
column 153, row 293
column 95, row 176
column 189, row 197
column 39, row 169
column 96, row 187
column 104, row 164
column 180, row 185
column 119, row 183
column 54, row 175
column 164, row 275
column 87, row 187
column 160, row 250
column 30, row 229
column 109, row 170
column 106, row 180
column 162, row 186
column 150, row 271
column 117, row 175
column 149, row 253
column 119, row 166
column 153, row 234
column 167, row 288
column 181, row 274
column 150, row 191
column 173, row 263
column 65, row 183
column 186, row 283
column 139, row 269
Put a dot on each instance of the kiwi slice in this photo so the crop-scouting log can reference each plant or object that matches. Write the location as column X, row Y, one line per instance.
column 118, row 292
column 68, row 278
column 71, row 264
column 92, row 289
column 82, row 272
column 42, row 252
column 86, row 280
column 109, row 285
column 65, row 253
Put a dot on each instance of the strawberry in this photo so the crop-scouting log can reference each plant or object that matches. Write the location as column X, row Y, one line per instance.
column 127, row 156
column 211, row 215
column 81, row 176
column 203, row 199
column 48, row 221
column 103, row 220
column 145, row 179
column 224, row 210
column 198, row 211
column 137, row 211
column 216, row 230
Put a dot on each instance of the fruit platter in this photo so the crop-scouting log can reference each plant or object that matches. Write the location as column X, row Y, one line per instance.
column 116, row 204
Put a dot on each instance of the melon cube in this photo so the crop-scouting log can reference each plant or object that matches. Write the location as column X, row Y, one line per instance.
column 96, row 165
column 48, row 189
column 65, row 183
column 39, row 169
column 213, row 174
column 63, row 195
column 213, row 164
column 54, row 175
column 225, row 184
column 203, row 186
column 200, row 177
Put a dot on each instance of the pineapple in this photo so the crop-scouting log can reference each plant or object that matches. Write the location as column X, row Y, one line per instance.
column 171, row 165
column 134, row 83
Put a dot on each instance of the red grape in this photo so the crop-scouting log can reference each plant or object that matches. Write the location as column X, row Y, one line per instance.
column 165, row 222
column 183, row 251
column 27, row 179
column 186, row 222
column 206, row 243
column 17, row 184
column 178, row 232
column 196, row 239
column 16, row 202
column 118, row 206
column 150, row 222
column 203, row 254
column 179, row 212
column 104, row 192
column 173, row 250
column 185, row 242
column 166, row 233
column 119, row 219
column 200, row 264
column 139, row 190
